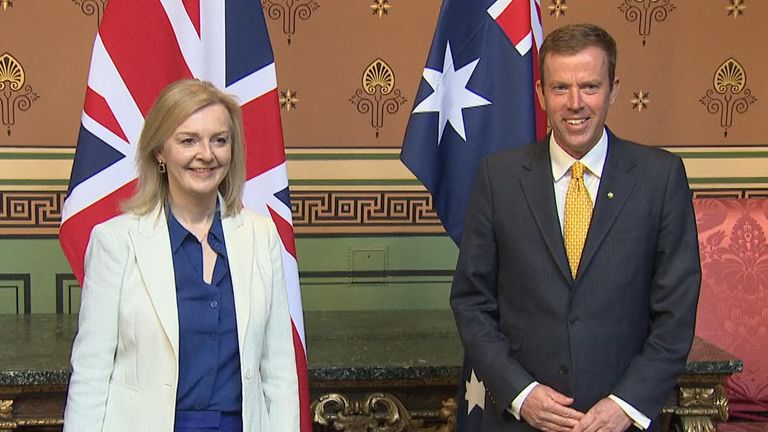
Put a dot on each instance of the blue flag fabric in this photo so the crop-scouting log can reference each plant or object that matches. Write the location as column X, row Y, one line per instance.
column 477, row 96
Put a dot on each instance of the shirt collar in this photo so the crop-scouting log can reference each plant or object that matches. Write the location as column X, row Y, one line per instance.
column 216, row 234
column 178, row 233
column 176, row 230
column 593, row 161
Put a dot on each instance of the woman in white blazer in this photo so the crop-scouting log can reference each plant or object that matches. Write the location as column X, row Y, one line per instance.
column 184, row 322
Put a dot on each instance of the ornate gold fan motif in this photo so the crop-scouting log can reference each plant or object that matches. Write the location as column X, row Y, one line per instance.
column 729, row 95
column 378, row 95
column 11, row 72
column 378, row 74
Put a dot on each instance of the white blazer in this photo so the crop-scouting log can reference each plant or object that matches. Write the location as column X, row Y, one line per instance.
column 126, row 353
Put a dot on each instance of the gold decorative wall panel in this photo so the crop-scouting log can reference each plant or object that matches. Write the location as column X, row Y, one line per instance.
column 356, row 192
column 645, row 13
column 92, row 8
column 16, row 96
column 378, row 95
column 52, row 42
column 290, row 13
column 691, row 81
column 730, row 95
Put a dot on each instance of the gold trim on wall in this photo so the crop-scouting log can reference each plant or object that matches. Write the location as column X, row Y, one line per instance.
column 93, row 8
column 645, row 12
column 15, row 94
column 558, row 8
column 290, row 12
column 378, row 95
column 380, row 7
column 641, row 100
column 729, row 94
column 315, row 213
column 736, row 8
column 288, row 99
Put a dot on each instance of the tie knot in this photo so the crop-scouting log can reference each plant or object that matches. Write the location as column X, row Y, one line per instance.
column 577, row 170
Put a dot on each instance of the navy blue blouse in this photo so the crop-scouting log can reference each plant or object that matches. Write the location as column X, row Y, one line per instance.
column 209, row 359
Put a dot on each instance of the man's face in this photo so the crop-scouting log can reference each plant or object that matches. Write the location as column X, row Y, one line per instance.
column 576, row 95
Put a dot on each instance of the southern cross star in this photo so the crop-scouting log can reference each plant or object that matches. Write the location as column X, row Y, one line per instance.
column 450, row 95
column 475, row 394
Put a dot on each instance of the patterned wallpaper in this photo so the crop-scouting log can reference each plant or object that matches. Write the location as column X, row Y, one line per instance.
column 692, row 80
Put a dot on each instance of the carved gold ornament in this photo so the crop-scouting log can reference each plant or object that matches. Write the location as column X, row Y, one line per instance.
column 378, row 94
column 380, row 7
column 288, row 99
column 729, row 94
column 14, row 94
column 558, row 8
column 645, row 12
column 5, row 4
column 641, row 100
column 6, row 409
column 289, row 11
column 699, row 406
column 380, row 412
column 736, row 8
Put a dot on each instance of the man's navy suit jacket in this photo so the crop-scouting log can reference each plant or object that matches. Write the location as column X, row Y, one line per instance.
column 623, row 327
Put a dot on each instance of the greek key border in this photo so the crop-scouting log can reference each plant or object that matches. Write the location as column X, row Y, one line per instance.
column 34, row 214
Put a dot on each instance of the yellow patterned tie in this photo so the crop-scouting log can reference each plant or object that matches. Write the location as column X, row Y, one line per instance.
column 578, row 212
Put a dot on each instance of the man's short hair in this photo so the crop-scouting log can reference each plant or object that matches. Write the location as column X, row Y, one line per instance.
column 573, row 38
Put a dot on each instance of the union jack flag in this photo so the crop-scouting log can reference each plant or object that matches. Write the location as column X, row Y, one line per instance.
column 139, row 49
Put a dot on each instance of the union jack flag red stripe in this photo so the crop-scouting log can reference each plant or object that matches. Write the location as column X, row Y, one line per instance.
column 137, row 52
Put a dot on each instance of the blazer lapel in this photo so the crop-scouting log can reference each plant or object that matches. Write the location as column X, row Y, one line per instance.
column 540, row 194
column 240, row 250
column 152, row 246
column 616, row 185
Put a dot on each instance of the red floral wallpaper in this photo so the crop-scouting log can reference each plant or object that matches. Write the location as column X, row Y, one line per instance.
column 733, row 305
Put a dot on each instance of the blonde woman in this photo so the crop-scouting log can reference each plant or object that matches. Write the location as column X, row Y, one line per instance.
column 184, row 323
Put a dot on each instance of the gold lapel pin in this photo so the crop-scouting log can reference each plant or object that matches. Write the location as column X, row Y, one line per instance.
column 610, row 195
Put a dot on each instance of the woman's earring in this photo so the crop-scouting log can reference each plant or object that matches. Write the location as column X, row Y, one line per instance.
column 161, row 166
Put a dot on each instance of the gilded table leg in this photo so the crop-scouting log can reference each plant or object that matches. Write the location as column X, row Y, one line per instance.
column 697, row 424
column 380, row 412
column 6, row 416
column 700, row 405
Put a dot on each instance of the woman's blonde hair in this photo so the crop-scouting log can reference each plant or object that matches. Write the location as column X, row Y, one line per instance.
column 176, row 103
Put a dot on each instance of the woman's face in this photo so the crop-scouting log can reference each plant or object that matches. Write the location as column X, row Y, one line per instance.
column 197, row 156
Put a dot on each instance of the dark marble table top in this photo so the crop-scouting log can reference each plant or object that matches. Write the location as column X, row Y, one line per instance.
column 341, row 346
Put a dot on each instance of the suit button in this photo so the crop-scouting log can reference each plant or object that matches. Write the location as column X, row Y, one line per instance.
column 563, row 370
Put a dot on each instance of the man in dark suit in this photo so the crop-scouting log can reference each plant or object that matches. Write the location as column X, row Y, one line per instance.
column 578, row 276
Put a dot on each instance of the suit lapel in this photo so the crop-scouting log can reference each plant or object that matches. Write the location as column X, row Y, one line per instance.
column 540, row 194
column 615, row 187
column 240, row 250
column 152, row 246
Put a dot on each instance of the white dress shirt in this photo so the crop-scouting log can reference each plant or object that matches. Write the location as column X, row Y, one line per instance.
column 593, row 162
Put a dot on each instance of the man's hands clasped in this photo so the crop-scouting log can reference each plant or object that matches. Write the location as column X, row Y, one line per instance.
column 550, row 411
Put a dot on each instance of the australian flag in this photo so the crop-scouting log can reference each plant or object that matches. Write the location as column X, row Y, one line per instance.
column 477, row 97
column 139, row 49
